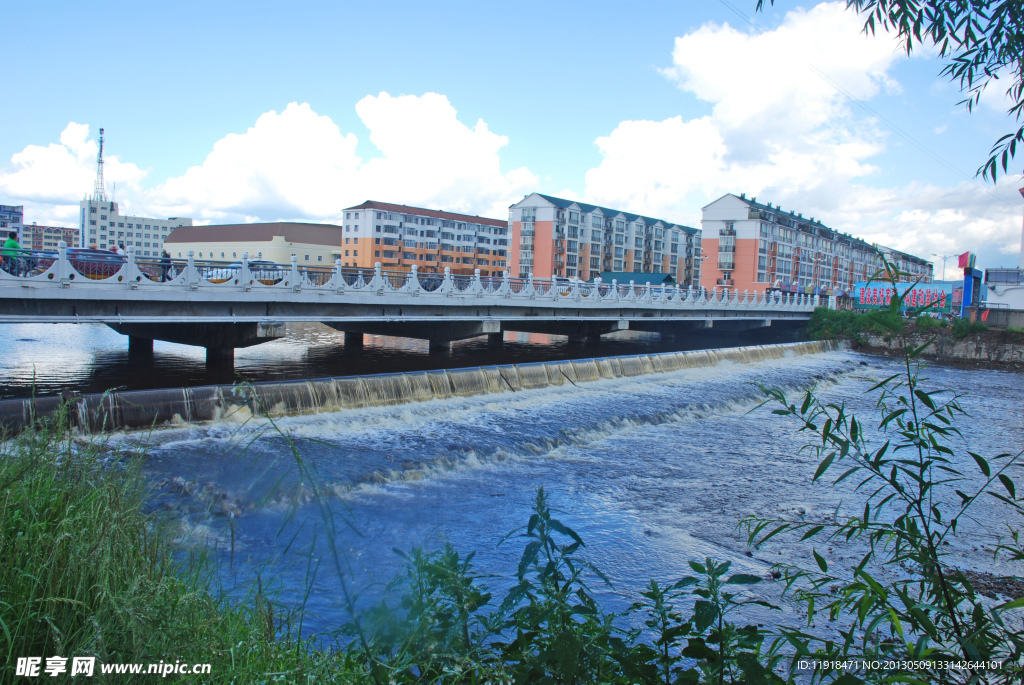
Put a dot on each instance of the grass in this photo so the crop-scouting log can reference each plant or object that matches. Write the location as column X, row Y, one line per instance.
column 88, row 573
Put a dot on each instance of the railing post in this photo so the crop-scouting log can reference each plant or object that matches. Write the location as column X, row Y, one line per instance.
column 477, row 286
column 615, row 289
column 377, row 284
column 129, row 269
column 413, row 284
column 339, row 278
column 295, row 277
column 506, row 284
column 190, row 268
column 530, row 287
column 62, row 265
column 447, row 285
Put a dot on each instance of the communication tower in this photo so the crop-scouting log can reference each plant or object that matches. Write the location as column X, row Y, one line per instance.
column 99, row 193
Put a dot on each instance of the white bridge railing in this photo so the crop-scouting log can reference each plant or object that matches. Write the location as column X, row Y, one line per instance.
column 104, row 272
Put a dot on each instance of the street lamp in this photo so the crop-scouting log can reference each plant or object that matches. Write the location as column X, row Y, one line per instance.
column 945, row 258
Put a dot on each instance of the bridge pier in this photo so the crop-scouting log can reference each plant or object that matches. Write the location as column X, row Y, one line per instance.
column 220, row 358
column 578, row 332
column 353, row 342
column 140, row 350
column 440, row 348
column 440, row 334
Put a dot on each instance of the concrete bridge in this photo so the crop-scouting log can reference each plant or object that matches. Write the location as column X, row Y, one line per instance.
column 222, row 305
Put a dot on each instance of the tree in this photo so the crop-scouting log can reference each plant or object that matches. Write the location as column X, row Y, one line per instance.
column 981, row 41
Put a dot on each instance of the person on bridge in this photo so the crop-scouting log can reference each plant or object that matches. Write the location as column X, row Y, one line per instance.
column 165, row 266
column 12, row 255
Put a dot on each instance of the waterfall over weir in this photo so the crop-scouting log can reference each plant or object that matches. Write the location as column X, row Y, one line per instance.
column 151, row 408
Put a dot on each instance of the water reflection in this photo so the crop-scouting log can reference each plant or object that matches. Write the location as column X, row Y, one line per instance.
column 44, row 359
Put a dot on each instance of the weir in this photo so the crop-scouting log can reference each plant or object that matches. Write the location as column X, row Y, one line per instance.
column 152, row 408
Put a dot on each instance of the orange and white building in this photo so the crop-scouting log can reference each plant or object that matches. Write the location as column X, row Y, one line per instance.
column 399, row 236
column 752, row 246
column 553, row 237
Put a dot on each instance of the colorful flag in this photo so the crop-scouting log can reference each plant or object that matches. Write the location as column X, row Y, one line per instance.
column 965, row 261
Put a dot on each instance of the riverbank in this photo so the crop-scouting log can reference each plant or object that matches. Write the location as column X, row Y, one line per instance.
column 989, row 349
column 961, row 344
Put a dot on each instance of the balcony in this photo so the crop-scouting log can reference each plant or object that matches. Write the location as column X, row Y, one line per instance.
column 725, row 282
column 727, row 232
column 722, row 249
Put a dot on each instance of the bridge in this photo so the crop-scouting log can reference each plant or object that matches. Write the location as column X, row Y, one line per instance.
column 226, row 305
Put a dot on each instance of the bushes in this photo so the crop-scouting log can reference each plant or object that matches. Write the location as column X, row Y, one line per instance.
column 828, row 324
column 964, row 327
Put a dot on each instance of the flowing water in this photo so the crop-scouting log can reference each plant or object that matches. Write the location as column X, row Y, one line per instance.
column 652, row 466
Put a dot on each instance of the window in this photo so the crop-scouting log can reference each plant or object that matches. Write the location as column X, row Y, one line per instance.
column 319, row 258
column 307, row 258
column 234, row 255
column 346, row 253
column 222, row 255
column 355, row 253
column 92, row 210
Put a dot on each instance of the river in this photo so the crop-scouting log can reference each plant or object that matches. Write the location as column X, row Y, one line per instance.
column 652, row 471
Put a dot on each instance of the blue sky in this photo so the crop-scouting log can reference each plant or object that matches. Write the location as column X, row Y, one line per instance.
column 263, row 111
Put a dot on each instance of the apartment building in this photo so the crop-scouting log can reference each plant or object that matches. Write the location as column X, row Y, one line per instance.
column 399, row 236
column 11, row 217
column 753, row 246
column 36, row 237
column 553, row 237
column 103, row 226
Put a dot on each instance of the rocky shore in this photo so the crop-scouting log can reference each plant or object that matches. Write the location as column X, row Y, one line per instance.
column 993, row 349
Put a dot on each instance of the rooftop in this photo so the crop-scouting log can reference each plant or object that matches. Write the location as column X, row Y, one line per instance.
column 292, row 232
column 584, row 207
column 434, row 213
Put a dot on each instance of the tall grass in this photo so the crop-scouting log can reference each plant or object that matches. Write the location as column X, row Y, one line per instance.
column 86, row 572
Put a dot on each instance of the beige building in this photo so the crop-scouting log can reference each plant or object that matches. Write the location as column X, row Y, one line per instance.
column 312, row 244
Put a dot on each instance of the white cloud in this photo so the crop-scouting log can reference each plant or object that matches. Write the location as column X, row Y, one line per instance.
column 52, row 177
column 296, row 164
column 777, row 124
column 299, row 164
column 781, row 126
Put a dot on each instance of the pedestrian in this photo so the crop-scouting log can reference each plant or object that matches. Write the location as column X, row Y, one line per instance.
column 120, row 249
column 165, row 266
column 12, row 255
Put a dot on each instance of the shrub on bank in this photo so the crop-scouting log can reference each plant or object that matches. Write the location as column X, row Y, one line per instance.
column 829, row 324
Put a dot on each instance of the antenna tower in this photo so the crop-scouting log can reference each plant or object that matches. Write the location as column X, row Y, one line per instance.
column 98, row 192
